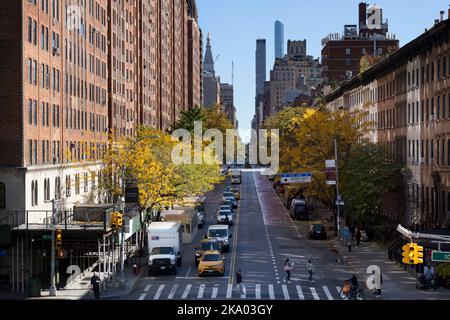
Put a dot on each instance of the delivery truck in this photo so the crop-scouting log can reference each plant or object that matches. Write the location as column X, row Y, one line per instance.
column 164, row 246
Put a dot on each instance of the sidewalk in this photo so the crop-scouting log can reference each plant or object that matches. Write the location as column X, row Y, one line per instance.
column 82, row 290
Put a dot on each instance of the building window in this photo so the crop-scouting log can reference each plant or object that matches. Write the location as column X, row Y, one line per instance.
column 35, row 32
column 2, row 195
column 47, row 189
column 86, row 182
column 347, row 51
column 380, row 51
column 77, row 184
column 57, row 188
column 30, row 30
column 34, row 193
column 68, row 187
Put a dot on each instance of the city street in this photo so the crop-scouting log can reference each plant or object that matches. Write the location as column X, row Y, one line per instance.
column 263, row 237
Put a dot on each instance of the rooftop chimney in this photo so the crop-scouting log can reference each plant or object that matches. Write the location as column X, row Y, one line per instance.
column 442, row 16
column 436, row 21
column 449, row 11
column 363, row 14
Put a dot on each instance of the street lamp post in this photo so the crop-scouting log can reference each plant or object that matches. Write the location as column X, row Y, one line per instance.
column 338, row 196
column 53, row 290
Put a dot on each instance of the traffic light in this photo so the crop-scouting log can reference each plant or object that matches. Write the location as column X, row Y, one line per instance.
column 116, row 220
column 119, row 220
column 113, row 223
column 58, row 237
column 408, row 253
column 418, row 254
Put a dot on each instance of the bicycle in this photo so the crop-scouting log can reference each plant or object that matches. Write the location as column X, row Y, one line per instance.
column 348, row 293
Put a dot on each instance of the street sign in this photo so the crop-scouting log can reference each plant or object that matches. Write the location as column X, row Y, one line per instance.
column 295, row 178
column 330, row 163
column 440, row 256
column 341, row 203
column 46, row 237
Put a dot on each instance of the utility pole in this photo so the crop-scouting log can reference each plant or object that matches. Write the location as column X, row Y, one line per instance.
column 122, row 240
column 52, row 263
column 338, row 196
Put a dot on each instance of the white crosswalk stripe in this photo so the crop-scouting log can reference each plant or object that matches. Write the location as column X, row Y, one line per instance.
column 142, row 296
column 158, row 293
column 258, row 291
column 244, row 292
column 172, row 292
column 201, row 290
column 229, row 290
column 214, row 292
column 271, row 293
column 285, row 292
column 249, row 291
column 186, row 291
column 327, row 293
column 300, row 292
column 314, row 293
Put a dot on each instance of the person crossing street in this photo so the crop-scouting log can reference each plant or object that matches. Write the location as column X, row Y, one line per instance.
column 310, row 268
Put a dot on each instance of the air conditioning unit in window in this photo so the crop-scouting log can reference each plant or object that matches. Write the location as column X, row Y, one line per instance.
column 56, row 51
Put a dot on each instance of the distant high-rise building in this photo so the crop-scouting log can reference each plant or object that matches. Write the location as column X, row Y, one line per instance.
column 260, row 59
column 211, row 83
column 279, row 40
column 227, row 101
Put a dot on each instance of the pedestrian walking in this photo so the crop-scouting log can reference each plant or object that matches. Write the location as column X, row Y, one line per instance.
column 288, row 266
column 238, row 281
column 377, row 287
column 310, row 268
column 135, row 269
column 358, row 237
column 351, row 229
column 95, row 284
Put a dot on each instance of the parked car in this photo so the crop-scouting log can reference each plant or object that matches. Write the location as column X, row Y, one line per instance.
column 317, row 231
column 211, row 262
column 222, row 216
column 205, row 245
column 299, row 209
column 228, row 193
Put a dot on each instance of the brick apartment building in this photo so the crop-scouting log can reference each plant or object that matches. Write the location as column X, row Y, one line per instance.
column 127, row 62
column 407, row 96
column 341, row 54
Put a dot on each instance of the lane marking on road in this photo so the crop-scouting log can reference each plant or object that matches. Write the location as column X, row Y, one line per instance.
column 186, row 291
column 300, row 292
column 201, row 290
column 172, row 292
column 314, row 293
column 235, row 237
column 142, row 296
column 229, row 291
column 197, row 278
column 147, row 288
column 158, row 293
column 258, row 291
column 271, row 293
column 327, row 293
column 187, row 274
column 285, row 292
column 214, row 292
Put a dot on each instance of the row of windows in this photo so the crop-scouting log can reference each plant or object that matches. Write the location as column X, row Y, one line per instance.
column 430, row 72
column 428, row 199
column 33, row 114
column 75, row 151
column 364, row 51
column 435, row 108
column 57, row 188
column 44, row 76
column 424, row 151
column 79, row 88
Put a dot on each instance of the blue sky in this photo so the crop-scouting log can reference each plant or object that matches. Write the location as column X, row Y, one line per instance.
column 236, row 24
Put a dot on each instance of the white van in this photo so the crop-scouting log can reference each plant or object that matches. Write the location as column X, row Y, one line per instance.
column 222, row 234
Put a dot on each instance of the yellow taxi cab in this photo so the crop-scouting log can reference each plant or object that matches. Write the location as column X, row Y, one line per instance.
column 236, row 192
column 211, row 262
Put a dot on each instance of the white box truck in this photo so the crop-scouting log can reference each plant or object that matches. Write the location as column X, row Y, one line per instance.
column 164, row 246
column 236, row 176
